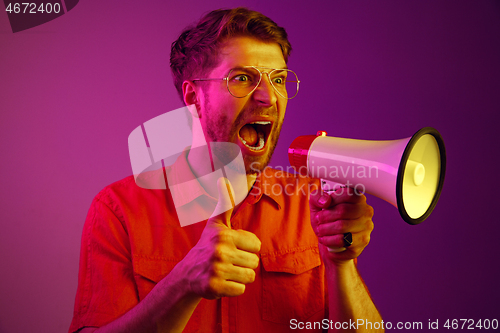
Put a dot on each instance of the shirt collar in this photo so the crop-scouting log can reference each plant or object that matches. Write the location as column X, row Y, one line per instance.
column 180, row 173
column 266, row 185
column 182, row 182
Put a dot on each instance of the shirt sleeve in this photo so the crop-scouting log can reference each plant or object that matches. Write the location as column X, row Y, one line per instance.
column 106, row 285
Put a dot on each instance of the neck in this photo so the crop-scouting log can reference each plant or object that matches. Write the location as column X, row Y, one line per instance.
column 204, row 163
column 201, row 162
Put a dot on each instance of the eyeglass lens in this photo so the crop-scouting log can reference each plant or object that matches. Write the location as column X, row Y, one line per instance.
column 241, row 81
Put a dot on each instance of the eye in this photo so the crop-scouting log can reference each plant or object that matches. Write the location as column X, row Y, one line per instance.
column 279, row 80
column 279, row 77
column 244, row 76
column 241, row 78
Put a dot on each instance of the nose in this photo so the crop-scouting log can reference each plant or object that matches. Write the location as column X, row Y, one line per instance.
column 264, row 93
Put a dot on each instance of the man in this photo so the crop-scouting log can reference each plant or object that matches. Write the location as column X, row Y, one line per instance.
column 258, row 266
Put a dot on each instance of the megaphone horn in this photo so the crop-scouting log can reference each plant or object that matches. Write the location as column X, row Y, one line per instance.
column 408, row 173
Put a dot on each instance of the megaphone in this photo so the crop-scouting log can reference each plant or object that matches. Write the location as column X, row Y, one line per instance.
column 408, row 173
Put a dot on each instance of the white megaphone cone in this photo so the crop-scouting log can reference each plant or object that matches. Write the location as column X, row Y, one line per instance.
column 408, row 173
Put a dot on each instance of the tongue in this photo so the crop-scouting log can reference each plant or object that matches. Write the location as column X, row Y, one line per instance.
column 249, row 134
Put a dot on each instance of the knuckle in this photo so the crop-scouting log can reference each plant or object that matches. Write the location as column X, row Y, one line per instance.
column 342, row 225
column 254, row 262
column 222, row 254
column 219, row 251
column 342, row 210
column 216, row 270
column 213, row 287
column 337, row 195
column 258, row 245
column 241, row 290
column 235, row 290
column 241, row 232
column 226, row 235
column 318, row 217
column 369, row 210
column 365, row 239
column 250, row 276
column 370, row 225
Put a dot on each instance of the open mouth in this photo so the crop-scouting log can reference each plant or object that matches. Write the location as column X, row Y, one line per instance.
column 254, row 135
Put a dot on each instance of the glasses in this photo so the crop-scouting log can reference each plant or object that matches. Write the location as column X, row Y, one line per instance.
column 243, row 81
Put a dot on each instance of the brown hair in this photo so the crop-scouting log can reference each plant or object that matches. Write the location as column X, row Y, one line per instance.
column 195, row 52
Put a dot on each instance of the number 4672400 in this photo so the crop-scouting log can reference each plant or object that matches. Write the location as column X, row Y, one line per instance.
column 31, row 8
column 471, row 324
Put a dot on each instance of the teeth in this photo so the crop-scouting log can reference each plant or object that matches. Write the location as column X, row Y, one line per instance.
column 261, row 143
column 262, row 122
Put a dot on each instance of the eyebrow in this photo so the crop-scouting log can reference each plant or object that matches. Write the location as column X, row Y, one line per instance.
column 247, row 66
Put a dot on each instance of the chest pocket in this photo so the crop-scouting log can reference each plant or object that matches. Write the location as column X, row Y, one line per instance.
column 149, row 271
column 293, row 285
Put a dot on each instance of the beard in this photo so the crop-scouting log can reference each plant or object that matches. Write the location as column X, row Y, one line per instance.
column 219, row 128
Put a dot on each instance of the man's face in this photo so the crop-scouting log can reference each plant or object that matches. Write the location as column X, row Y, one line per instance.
column 252, row 122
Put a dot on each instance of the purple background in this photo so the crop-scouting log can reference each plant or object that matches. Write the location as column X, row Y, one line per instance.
column 73, row 89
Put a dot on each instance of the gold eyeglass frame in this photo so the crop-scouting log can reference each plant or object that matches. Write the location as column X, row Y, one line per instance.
column 258, row 83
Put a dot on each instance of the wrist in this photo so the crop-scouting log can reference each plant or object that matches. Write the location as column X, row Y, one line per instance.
column 337, row 260
column 182, row 279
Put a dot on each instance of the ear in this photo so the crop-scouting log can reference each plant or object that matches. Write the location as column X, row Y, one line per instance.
column 190, row 94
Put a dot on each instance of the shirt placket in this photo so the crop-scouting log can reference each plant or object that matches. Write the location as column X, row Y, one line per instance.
column 229, row 305
column 225, row 314
column 232, row 313
column 228, row 314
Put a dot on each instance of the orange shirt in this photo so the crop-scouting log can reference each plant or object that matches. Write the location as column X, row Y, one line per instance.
column 132, row 239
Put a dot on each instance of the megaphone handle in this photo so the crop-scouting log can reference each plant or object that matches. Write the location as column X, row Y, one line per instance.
column 330, row 186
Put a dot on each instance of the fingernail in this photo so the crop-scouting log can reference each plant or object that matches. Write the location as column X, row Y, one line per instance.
column 322, row 200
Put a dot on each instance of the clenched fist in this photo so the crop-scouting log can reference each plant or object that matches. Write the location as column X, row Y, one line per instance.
column 223, row 261
column 336, row 214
